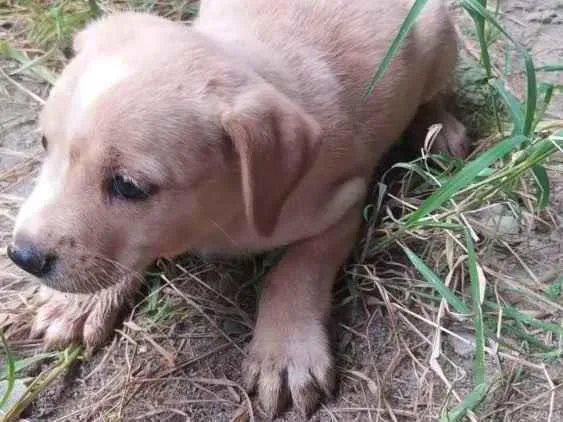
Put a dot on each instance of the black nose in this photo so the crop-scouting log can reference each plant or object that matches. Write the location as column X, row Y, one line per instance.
column 31, row 259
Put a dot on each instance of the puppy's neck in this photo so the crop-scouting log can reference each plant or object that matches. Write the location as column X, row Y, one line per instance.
column 268, row 64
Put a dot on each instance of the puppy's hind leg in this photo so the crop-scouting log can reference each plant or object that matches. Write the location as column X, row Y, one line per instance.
column 64, row 318
column 452, row 138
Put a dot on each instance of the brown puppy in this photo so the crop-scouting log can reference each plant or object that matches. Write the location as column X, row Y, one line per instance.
column 246, row 131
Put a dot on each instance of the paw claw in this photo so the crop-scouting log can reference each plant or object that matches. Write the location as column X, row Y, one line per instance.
column 306, row 400
column 294, row 369
column 35, row 333
column 61, row 333
column 46, row 313
column 273, row 393
column 307, row 394
column 325, row 382
column 99, row 326
column 250, row 375
column 38, row 327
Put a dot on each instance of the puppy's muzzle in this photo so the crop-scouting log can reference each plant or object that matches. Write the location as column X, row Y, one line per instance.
column 31, row 258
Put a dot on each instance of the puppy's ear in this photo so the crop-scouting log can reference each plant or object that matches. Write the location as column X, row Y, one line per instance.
column 276, row 142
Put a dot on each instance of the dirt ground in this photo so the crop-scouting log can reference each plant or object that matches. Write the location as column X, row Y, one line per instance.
column 178, row 357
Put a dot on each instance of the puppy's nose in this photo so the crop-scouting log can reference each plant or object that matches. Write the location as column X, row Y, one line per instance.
column 31, row 259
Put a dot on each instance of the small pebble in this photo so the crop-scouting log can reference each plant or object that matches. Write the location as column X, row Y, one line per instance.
column 463, row 348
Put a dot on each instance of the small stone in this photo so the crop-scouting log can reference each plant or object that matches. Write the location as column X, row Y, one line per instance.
column 499, row 219
column 18, row 391
column 463, row 348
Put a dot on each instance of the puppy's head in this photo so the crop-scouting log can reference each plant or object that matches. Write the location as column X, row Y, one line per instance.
column 156, row 142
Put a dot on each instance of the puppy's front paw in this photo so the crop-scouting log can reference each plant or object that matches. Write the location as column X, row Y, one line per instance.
column 63, row 318
column 294, row 365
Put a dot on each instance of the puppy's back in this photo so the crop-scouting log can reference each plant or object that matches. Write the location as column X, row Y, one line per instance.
column 330, row 49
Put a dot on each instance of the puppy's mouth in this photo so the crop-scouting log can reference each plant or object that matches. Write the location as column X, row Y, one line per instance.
column 84, row 275
column 81, row 284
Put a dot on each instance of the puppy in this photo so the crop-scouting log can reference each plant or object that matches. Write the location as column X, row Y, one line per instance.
column 248, row 130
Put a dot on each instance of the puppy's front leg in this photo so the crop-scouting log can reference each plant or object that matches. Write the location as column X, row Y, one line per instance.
column 290, row 353
column 64, row 318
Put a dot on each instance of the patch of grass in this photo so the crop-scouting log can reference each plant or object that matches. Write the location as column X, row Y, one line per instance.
column 513, row 160
column 17, row 391
column 52, row 26
column 45, row 42
column 156, row 306
column 177, row 10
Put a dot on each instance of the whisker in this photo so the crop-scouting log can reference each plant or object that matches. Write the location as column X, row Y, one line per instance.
column 233, row 241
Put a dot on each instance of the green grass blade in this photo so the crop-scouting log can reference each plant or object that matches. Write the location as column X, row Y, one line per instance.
column 513, row 313
column 542, row 185
column 554, row 290
column 541, row 149
column 450, row 297
column 21, row 364
column 464, row 177
column 10, row 371
column 477, row 291
column 550, row 68
column 523, row 338
column 396, row 44
column 546, row 90
column 514, row 106
column 39, row 70
column 95, row 10
column 480, row 30
column 531, row 94
column 418, row 170
column 475, row 8
column 41, row 382
column 557, row 136
column 470, row 402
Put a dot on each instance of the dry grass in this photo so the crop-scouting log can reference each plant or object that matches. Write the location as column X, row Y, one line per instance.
column 407, row 332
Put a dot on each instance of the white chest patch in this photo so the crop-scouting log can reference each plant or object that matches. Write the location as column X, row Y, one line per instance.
column 347, row 195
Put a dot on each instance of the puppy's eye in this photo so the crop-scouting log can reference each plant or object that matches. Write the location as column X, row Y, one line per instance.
column 44, row 142
column 126, row 188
